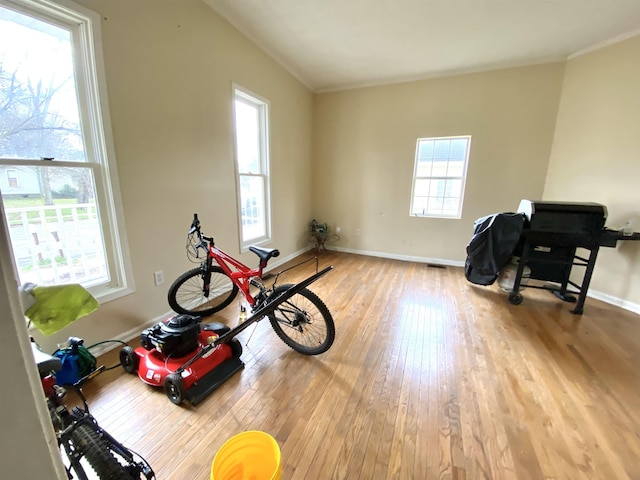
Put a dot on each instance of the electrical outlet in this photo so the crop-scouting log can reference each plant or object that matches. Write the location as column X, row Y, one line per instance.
column 158, row 277
column 338, row 230
column 357, row 232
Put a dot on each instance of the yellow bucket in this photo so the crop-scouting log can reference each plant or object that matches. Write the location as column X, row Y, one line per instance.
column 252, row 455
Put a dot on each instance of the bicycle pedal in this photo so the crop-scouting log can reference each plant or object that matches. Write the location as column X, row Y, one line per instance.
column 78, row 412
column 60, row 392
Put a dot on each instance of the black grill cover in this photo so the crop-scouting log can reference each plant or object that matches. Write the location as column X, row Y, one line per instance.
column 495, row 238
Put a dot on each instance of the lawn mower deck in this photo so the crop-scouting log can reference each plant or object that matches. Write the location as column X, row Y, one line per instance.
column 177, row 354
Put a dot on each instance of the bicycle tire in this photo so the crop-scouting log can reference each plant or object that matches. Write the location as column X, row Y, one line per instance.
column 303, row 322
column 186, row 294
column 95, row 449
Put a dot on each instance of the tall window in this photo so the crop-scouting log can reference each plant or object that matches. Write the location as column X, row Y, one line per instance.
column 439, row 176
column 60, row 195
column 252, row 164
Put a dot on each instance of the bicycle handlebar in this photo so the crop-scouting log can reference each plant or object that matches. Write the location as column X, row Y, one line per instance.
column 202, row 240
column 195, row 225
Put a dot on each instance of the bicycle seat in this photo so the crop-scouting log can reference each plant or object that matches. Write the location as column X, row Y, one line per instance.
column 45, row 362
column 265, row 253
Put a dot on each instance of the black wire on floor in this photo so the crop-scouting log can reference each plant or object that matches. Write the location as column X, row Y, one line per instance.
column 108, row 341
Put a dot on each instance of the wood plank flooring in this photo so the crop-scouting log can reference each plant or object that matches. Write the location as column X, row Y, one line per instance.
column 430, row 377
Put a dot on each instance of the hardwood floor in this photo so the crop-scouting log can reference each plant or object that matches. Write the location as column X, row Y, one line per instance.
column 430, row 377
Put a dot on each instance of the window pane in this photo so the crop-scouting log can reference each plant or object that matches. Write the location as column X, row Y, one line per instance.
column 440, row 168
column 12, row 179
column 253, row 208
column 455, row 168
column 450, row 206
column 441, row 150
column 453, row 188
column 436, row 187
column 435, row 205
column 37, row 90
column 422, row 188
column 425, row 149
column 247, row 137
column 424, row 168
column 458, row 149
column 420, row 205
column 54, row 226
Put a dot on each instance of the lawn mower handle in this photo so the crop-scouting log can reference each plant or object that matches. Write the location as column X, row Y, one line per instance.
column 266, row 309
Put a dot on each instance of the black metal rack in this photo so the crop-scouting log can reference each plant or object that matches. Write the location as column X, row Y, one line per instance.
column 553, row 263
column 554, row 232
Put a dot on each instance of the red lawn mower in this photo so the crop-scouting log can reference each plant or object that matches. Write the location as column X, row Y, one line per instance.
column 179, row 355
column 190, row 359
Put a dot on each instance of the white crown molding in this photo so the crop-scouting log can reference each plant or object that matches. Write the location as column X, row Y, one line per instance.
column 605, row 43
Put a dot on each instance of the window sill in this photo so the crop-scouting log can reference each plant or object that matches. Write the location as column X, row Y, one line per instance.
column 449, row 217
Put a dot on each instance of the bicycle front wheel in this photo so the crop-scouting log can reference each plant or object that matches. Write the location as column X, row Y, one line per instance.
column 303, row 322
column 189, row 294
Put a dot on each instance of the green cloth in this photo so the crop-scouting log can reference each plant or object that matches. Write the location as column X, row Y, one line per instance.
column 57, row 306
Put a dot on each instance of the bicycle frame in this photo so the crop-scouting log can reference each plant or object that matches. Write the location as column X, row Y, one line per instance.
column 241, row 275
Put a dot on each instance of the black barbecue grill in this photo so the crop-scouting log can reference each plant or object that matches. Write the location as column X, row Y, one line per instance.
column 552, row 233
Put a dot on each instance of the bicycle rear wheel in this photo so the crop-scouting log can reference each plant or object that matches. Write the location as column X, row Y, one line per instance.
column 88, row 442
column 189, row 295
column 303, row 322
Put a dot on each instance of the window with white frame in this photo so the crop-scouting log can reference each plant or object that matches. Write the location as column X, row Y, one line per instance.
column 251, row 115
column 439, row 175
column 12, row 178
column 62, row 214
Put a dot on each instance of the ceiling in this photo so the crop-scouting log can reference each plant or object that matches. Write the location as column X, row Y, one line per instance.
column 339, row 44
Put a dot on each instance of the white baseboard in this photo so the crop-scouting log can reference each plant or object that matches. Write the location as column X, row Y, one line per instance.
column 405, row 258
column 618, row 302
column 282, row 260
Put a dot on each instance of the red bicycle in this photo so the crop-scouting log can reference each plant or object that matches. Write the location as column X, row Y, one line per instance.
column 302, row 321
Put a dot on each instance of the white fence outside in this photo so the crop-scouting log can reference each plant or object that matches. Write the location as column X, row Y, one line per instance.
column 58, row 244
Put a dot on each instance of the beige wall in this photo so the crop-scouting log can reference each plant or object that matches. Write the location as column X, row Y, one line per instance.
column 596, row 154
column 364, row 148
column 169, row 67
